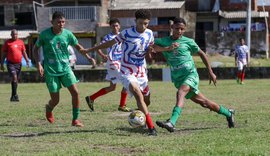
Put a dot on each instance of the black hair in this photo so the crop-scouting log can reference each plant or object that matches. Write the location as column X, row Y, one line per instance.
column 57, row 14
column 143, row 14
column 178, row 20
column 114, row 20
column 240, row 39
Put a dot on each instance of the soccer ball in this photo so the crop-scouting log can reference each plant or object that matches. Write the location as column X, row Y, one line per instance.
column 136, row 119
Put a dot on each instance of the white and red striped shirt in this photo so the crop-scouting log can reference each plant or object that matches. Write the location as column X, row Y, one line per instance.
column 134, row 46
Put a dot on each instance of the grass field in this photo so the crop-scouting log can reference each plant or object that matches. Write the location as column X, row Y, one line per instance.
column 25, row 131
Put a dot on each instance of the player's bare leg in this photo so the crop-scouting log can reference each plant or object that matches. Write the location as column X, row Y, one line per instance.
column 135, row 90
column 75, row 105
column 176, row 112
column 204, row 102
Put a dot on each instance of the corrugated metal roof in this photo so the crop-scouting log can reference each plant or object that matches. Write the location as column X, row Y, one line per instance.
column 5, row 34
column 145, row 4
column 242, row 14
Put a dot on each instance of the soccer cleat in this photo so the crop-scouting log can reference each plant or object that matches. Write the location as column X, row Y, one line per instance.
column 152, row 132
column 14, row 98
column 77, row 123
column 166, row 124
column 90, row 103
column 49, row 114
column 124, row 109
column 238, row 81
column 242, row 83
column 231, row 119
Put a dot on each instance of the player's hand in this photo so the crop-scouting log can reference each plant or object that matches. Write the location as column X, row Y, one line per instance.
column 173, row 46
column 212, row 78
column 84, row 51
column 27, row 64
column 93, row 61
column 104, row 57
column 40, row 70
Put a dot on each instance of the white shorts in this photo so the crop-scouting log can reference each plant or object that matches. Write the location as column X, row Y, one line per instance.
column 241, row 63
column 141, row 81
column 113, row 72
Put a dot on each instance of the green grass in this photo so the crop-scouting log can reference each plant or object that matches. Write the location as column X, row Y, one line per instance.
column 25, row 131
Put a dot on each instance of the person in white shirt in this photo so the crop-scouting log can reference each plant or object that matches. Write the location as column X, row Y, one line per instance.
column 241, row 60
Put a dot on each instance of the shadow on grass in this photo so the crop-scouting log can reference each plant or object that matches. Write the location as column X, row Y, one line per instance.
column 22, row 135
column 110, row 132
column 138, row 130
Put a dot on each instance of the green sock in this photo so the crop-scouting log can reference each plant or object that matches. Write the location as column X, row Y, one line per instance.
column 175, row 114
column 224, row 111
column 76, row 113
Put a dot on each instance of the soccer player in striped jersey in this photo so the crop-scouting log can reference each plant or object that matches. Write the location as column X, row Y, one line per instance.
column 135, row 43
column 113, row 64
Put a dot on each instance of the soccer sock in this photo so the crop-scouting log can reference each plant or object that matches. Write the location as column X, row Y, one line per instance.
column 239, row 75
column 224, row 111
column 98, row 94
column 175, row 114
column 14, row 88
column 75, row 113
column 149, row 121
column 123, row 99
column 242, row 76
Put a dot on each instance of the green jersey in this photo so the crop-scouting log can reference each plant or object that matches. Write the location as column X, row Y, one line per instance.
column 55, row 51
column 183, row 70
column 182, row 56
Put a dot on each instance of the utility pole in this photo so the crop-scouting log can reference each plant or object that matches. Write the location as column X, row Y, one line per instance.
column 248, row 28
column 266, row 35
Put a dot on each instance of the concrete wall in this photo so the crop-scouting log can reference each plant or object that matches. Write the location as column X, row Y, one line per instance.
column 225, row 42
column 44, row 21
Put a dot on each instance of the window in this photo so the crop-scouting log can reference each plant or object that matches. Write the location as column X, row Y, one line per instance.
column 204, row 5
column 24, row 18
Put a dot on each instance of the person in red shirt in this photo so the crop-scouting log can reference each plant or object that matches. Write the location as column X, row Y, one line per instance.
column 13, row 50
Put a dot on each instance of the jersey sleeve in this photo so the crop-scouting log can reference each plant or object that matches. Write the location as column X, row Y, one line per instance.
column 72, row 39
column 121, row 37
column 158, row 41
column 194, row 48
column 23, row 46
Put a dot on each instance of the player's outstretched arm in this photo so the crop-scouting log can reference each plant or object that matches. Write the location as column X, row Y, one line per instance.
column 157, row 48
column 100, row 46
column 212, row 76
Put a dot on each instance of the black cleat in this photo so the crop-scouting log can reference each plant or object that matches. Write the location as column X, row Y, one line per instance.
column 152, row 132
column 90, row 103
column 231, row 119
column 14, row 98
column 166, row 124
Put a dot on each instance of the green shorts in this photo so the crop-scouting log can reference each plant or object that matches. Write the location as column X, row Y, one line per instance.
column 191, row 79
column 54, row 83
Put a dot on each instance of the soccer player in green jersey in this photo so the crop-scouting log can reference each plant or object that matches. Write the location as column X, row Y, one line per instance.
column 57, row 71
column 184, row 74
